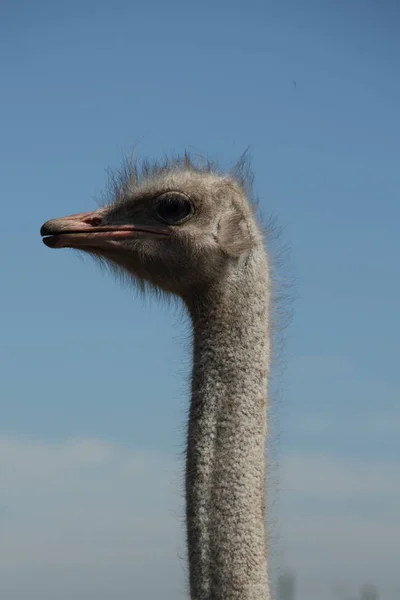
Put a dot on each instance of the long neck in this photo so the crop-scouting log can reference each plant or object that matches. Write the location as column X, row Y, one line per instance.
column 225, row 467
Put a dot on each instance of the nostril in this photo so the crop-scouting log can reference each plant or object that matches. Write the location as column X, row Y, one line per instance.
column 93, row 221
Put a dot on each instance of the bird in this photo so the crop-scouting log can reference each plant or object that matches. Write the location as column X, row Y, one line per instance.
column 192, row 231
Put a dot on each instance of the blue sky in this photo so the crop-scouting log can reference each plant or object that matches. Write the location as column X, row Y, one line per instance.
column 93, row 378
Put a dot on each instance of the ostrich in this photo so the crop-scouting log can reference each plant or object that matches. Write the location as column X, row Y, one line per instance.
column 190, row 231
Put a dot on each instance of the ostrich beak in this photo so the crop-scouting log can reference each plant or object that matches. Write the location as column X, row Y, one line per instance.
column 87, row 230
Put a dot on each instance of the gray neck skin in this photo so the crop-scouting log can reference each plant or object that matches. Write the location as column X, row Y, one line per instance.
column 225, row 466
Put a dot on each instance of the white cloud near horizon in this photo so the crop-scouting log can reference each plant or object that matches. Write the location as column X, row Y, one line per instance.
column 340, row 518
column 87, row 519
column 380, row 424
column 91, row 519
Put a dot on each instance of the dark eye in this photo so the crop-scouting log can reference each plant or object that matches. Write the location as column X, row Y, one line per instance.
column 173, row 207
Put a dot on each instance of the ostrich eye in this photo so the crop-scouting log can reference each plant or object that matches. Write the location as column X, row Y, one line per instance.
column 173, row 208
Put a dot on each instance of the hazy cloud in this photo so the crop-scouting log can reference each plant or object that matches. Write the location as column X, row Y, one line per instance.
column 89, row 519
column 339, row 521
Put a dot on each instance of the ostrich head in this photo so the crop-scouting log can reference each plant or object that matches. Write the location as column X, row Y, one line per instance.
column 174, row 226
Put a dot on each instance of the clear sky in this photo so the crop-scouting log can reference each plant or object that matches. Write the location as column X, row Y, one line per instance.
column 93, row 379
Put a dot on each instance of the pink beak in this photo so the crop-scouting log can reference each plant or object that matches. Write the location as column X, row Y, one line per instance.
column 89, row 229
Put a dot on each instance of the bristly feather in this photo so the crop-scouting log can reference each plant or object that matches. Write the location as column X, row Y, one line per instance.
column 123, row 181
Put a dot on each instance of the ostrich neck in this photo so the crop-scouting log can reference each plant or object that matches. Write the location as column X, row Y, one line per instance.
column 225, row 467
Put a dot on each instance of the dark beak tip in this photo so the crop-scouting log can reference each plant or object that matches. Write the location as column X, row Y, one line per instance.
column 44, row 230
column 49, row 242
